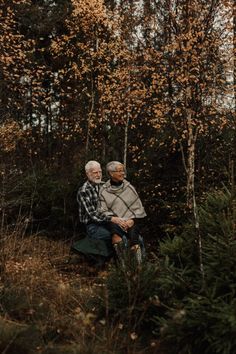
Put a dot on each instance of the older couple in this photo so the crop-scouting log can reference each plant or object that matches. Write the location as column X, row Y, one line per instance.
column 111, row 210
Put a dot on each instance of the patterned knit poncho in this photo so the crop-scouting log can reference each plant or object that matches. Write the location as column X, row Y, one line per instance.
column 122, row 201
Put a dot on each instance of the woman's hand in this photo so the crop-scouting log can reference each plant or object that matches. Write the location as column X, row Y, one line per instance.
column 119, row 221
column 129, row 223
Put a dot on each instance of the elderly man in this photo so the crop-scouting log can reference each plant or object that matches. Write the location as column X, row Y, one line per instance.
column 119, row 198
column 96, row 222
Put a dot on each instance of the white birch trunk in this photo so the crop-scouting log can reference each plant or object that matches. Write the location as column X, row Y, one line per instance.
column 191, row 197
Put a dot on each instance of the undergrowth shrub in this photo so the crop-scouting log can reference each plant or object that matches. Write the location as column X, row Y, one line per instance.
column 44, row 199
column 199, row 305
column 130, row 296
column 201, row 324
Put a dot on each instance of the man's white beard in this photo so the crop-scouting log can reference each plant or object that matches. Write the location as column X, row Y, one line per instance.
column 97, row 180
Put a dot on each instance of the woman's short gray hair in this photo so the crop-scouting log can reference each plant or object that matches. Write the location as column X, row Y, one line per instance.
column 91, row 164
column 111, row 166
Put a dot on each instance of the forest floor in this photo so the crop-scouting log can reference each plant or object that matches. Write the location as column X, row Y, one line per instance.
column 46, row 286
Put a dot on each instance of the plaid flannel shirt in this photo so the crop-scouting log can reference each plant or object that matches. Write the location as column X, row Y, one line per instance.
column 87, row 198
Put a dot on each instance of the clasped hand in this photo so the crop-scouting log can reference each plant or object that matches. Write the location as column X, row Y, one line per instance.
column 124, row 224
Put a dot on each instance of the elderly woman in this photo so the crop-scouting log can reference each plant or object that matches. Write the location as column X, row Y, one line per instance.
column 119, row 198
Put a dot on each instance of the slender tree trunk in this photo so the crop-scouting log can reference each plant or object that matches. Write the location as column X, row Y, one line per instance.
column 190, row 160
column 127, row 127
column 126, row 142
column 233, row 160
column 234, row 43
column 3, row 191
column 191, row 197
column 89, row 121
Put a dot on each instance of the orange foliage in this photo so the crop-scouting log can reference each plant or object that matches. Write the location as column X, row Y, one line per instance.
column 10, row 134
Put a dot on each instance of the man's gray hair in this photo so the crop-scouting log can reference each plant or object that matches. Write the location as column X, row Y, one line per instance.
column 91, row 164
column 111, row 166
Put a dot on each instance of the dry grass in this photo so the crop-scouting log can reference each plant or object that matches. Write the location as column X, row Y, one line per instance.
column 35, row 289
column 48, row 304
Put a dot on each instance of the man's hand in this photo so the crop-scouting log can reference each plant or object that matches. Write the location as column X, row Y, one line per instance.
column 119, row 221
